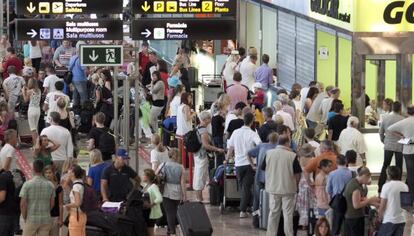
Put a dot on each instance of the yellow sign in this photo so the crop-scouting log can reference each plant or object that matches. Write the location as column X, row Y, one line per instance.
column 145, row 7
column 207, row 6
column 159, row 6
column 57, row 7
column 44, row 7
column 172, row 6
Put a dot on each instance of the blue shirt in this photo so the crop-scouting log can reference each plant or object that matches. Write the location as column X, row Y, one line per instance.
column 337, row 180
column 264, row 75
column 95, row 173
column 78, row 71
column 259, row 152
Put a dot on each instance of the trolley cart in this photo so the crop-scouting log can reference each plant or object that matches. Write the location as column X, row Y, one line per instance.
column 231, row 192
column 212, row 85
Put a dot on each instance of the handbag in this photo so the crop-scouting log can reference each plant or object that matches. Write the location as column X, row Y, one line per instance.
column 161, row 178
column 69, row 75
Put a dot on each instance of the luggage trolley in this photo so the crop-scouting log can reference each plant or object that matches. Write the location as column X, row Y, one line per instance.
column 231, row 189
column 212, row 85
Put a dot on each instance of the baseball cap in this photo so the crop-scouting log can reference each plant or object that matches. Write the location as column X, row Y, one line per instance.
column 122, row 153
column 257, row 85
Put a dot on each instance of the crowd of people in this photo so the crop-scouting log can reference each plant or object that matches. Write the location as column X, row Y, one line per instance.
column 305, row 151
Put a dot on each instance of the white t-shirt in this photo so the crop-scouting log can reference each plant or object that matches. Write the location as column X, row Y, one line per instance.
column 60, row 135
column 175, row 103
column 247, row 70
column 228, row 71
column 243, row 140
column 303, row 95
column 50, row 81
column 183, row 126
column 287, row 119
column 393, row 211
column 52, row 99
column 76, row 188
column 159, row 157
column 8, row 151
column 14, row 84
column 34, row 51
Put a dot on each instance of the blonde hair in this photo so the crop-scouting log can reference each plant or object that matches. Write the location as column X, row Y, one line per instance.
column 156, row 140
column 95, row 157
column 174, row 154
column 27, row 62
column 68, row 164
column 61, row 103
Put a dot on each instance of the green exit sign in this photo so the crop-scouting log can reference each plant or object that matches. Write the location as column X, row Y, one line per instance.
column 101, row 55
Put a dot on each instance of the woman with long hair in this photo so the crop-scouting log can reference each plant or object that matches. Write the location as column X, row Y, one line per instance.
column 312, row 94
column 44, row 148
column 158, row 96
column 152, row 207
column 33, row 95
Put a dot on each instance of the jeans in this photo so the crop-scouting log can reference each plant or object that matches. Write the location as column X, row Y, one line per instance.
column 387, row 161
column 311, row 124
column 355, row 227
column 7, row 225
column 390, row 229
column 277, row 204
column 409, row 162
column 171, row 207
column 80, row 93
column 245, row 176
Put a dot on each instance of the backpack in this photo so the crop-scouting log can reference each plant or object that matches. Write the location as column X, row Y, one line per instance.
column 107, row 142
column 89, row 199
column 192, row 141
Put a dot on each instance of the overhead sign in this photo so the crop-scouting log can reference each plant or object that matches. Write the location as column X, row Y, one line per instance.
column 77, row 29
column 228, row 7
column 101, row 55
column 183, row 28
column 330, row 8
column 30, row 7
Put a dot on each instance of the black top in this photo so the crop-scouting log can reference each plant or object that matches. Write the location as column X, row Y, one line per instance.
column 119, row 184
column 266, row 129
column 10, row 205
column 55, row 210
column 95, row 134
column 146, row 78
column 234, row 124
column 337, row 124
column 217, row 126
column 66, row 123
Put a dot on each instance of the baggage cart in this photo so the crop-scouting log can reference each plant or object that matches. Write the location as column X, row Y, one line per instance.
column 212, row 85
column 231, row 195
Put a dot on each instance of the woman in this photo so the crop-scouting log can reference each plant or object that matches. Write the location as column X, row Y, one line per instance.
column 230, row 67
column 201, row 157
column 57, row 211
column 175, row 101
column 77, row 218
column 107, row 78
column 322, row 227
column 4, row 44
column 67, row 118
column 158, row 96
column 44, row 148
column 185, row 114
column 33, row 95
column 159, row 154
column 152, row 208
column 312, row 94
column 104, row 99
column 163, row 69
column 47, row 52
column 35, row 54
column 295, row 97
column 219, row 119
column 174, row 189
column 356, row 203
column 97, row 166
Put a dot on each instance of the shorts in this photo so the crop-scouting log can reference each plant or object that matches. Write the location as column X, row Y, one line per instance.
column 150, row 222
column 200, row 172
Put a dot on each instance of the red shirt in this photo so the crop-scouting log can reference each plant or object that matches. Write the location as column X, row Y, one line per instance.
column 259, row 97
column 12, row 61
column 143, row 61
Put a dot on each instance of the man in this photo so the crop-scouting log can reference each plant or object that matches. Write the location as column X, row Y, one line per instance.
column 37, row 199
column 304, row 94
column 259, row 153
column 264, row 74
column 390, row 211
column 390, row 140
column 235, row 114
column 327, row 150
column 115, row 181
column 337, row 123
column 149, row 69
column 50, row 80
column 237, row 123
column 286, row 107
column 239, row 144
column 326, row 104
column 8, row 152
column 59, row 135
column 237, row 91
column 13, row 87
column 11, row 60
column 352, row 139
column 405, row 129
column 52, row 98
column 287, row 118
column 100, row 133
column 282, row 178
column 314, row 115
column 9, row 204
column 269, row 125
column 79, row 81
column 63, row 54
column 335, row 184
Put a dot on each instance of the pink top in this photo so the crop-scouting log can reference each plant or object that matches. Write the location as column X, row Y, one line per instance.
column 237, row 93
column 322, row 197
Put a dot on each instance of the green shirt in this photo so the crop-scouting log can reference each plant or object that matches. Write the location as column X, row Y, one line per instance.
column 47, row 158
column 155, row 198
column 38, row 192
column 351, row 212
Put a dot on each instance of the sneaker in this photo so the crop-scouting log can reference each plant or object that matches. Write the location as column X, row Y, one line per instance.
column 243, row 214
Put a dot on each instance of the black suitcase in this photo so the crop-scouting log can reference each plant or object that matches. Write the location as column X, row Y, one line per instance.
column 95, row 231
column 194, row 220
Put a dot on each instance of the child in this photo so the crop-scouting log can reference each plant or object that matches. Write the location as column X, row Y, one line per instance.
column 152, row 200
column 57, row 211
column 43, row 149
column 322, row 227
column 258, row 97
column 322, row 198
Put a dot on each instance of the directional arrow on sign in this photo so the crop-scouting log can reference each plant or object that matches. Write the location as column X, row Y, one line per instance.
column 31, row 8
column 145, row 7
column 32, row 33
column 147, row 33
column 93, row 57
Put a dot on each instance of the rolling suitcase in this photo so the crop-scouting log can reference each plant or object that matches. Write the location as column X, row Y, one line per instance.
column 264, row 209
column 194, row 220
